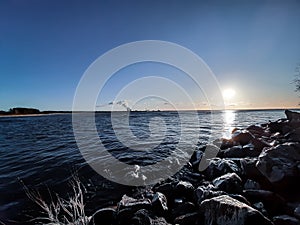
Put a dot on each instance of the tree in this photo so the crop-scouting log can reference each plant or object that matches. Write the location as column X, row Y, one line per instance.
column 297, row 78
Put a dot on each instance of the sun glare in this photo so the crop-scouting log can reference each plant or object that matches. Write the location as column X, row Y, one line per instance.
column 228, row 93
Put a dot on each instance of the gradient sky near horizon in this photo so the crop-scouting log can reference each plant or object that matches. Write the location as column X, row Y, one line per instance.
column 252, row 47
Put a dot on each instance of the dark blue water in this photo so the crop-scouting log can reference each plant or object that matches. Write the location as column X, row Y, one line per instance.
column 41, row 151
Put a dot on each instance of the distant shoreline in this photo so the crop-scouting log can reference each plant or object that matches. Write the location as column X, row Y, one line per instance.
column 45, row 113
column 31, row 115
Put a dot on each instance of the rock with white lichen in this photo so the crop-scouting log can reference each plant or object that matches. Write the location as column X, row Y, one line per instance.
column 224, row 210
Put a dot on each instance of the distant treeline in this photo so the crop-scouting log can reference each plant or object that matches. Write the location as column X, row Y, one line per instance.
column 24, row 111
column 20, row 111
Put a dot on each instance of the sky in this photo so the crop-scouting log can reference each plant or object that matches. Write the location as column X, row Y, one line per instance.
column 252, row 48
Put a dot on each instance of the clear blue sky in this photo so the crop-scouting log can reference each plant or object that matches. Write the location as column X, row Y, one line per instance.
column 45, row 46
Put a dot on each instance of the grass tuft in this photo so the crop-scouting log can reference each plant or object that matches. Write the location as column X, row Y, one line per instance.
column 60, row 211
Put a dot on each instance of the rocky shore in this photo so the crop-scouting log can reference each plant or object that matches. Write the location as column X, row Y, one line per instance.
column 253, row 180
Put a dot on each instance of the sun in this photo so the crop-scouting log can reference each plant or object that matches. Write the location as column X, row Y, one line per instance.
column 228, row 93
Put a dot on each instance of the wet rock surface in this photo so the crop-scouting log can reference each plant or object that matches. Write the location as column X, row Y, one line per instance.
column 280, row 163
column 159, row 203
column 253, row 180
column 230, row 183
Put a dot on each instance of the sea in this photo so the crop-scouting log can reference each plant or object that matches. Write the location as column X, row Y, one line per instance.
column 40, row 153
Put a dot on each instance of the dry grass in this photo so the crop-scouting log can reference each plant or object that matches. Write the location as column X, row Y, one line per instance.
column 60, row 211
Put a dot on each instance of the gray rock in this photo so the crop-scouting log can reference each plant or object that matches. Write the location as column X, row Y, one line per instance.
column 297, row 212
column 240, row 198
column 260, row 207
column 159, row 203
column 251, row 184
column 242, row 137
column 104, row 216
column 280, row 163
column 205, row 192
column 218, row 167
column 256, row 130
column 249, row 169
column 234, row 152
column 144, row 217
column 292, row 116
column 165, row 188
column 276, row 126
column 285, row 220
column 285, row 130
column 132, row 204
column 259, row 144
column 187, row 219
column 223, row 143
column 248, row 164
column 241, row 152
column 224, row 210
column 194, row 178
column 183, row 209
column 230, row 183
column 196, row 158
column 293, row 135
column 185, row 188
column 293, row 124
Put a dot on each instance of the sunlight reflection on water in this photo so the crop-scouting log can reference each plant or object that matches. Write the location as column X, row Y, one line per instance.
column 228, row 120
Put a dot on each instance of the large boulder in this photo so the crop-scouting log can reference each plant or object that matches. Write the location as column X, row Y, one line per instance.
column 280, row 164
column 144, row 217
column 242, row 137
column 185, row 188
column 104, row 216
column 256, row 130
column 131, row 205
column 248, row 150
column 224, row 210
column 218, row 167
column 230, row 183
column 292, row 116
